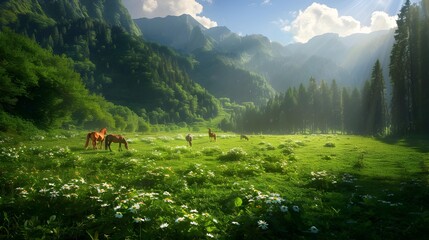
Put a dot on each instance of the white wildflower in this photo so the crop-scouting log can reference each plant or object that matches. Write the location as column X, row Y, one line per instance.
column 295, row 208
column 314, row 229
column 263, row 224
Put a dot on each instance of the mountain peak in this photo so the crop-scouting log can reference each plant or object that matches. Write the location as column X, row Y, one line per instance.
column 219, row 33
column 189, row 20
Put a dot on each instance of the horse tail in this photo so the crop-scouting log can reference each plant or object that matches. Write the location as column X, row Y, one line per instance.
column 214, row 136
column 106, row 139
column 88, row 136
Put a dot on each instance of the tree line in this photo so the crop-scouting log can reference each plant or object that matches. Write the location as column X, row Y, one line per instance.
column 318, row 108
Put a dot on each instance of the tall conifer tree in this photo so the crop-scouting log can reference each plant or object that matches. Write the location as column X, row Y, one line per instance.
column 377, row 110
column 400, row 73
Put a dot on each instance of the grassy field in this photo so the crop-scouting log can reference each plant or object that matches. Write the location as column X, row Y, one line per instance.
column 270, row 187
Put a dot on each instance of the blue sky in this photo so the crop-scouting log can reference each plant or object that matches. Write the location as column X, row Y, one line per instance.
column 284, row 21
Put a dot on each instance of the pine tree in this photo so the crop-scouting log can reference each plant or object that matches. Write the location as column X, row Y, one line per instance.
column 302, row 108
column 312, row 101
column 424, row 51
column 365, row 124
column 400, row 74
column 377, row 110
column 336, row 112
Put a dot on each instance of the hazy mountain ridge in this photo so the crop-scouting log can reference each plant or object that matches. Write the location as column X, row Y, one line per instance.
column 347, row 59
column 217, row 67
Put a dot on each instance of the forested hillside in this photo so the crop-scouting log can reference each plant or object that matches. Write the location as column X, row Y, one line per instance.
column 33, row 15
column 43, row 89
column 111, row 57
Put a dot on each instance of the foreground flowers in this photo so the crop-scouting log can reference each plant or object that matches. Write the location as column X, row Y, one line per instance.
column 314, row 229
column 262, row 224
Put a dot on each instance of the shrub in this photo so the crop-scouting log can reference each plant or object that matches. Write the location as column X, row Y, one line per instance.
column 198, row 174
column 211, row 151
column 329, row 144
column 359, row 162
column 243, row 169
column 233, row 154
column 322, row 179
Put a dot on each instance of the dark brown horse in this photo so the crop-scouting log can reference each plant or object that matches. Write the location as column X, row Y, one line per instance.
column 116, row 139
column 212, row 135
column 189, row 139
column 242, row 136
column 96, row 137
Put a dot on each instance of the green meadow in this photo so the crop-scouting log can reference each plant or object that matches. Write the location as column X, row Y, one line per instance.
column 270, row 187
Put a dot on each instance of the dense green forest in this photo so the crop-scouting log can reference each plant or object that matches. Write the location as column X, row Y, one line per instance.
column 42, row 89
column 409, row 70
column 112, row 60
column 323, row 108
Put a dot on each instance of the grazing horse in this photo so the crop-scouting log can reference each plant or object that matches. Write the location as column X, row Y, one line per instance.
column 116, row 139
column 242, row 136
column 189, row 139
column 96, row 137
column 212, row 135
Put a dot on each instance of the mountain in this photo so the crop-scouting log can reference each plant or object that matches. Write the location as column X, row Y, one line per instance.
column 111, row 57
column 214, row 50
column 20, row 13
column 184, row 32
column 354, row 55
column 347, row 59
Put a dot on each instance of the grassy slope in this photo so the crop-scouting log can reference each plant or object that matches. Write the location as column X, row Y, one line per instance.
column 371, row 188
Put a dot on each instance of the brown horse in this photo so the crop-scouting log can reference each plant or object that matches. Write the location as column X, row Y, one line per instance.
column 212, row 135
column 96, row 137
column 116, row 139
column 189, row 139
column 242, row 136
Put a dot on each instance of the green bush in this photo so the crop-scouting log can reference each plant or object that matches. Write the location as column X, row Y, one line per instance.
column 234, row 154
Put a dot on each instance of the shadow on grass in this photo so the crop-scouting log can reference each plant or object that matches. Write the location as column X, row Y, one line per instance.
column 82, row 150
column 378, row 207
column 418, row 142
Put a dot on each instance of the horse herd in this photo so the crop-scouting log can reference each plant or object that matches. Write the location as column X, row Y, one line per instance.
column 108, row 139
column 115, row 138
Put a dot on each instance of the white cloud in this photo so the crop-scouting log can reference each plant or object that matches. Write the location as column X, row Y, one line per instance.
column 266, row 2
column 162, row 8
column 205, row 21
column 381, row 21
column 318, row 19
